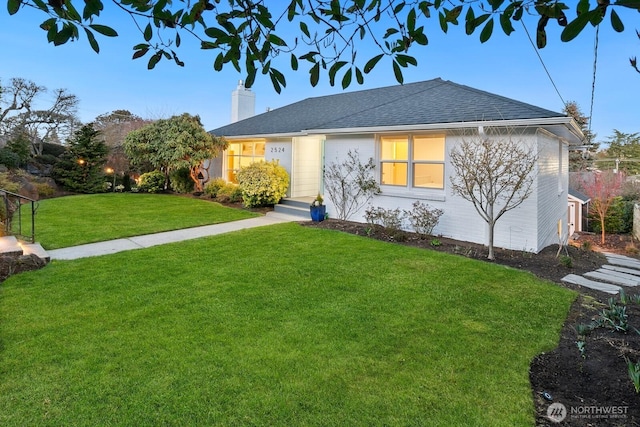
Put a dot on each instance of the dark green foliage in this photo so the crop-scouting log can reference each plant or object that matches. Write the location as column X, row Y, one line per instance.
column 151, row 182
column 20, row 146
column 80, row 169
column 55, row 150
column 181, row 181
column 619, row 218
column 323, row 35
column 9, row 159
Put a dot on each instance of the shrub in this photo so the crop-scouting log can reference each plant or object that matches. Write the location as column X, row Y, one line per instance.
column 263, row 183
column 350, row 184
column 212, row 187
column 423, row 218
column 44, row 189
column 390, row 219
column 230, row 193
column 10, row 159
column 619, row 219
column 151, row 182
column 181, row 181
column 7, row 184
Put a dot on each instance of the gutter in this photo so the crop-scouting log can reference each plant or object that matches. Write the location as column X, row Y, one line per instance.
column 571, row 125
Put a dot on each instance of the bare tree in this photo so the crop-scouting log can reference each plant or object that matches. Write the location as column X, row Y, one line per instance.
column 495, row 173
column 19, row 113
column 114, row 127
column 350, row 184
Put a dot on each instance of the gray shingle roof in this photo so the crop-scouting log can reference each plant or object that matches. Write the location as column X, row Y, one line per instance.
column 429, row 102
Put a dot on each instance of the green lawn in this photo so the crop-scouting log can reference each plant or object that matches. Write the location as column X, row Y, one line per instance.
column 75, row 220
column 281, row 325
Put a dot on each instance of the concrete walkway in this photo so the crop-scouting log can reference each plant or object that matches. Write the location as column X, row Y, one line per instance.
column 621, row 271
column 148, row 240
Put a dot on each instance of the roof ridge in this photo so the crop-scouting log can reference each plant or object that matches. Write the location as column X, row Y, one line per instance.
column 437, row 80
column 497, row 96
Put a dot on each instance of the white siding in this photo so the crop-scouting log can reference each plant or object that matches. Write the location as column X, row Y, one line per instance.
column 336, row 150
column 530, row 227
column 553, row 182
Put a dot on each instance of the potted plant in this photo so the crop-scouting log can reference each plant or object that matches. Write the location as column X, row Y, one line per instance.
column 317, row 209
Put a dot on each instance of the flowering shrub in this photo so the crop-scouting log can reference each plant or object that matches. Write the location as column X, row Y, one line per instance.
column 263, row 183
column 151, row 182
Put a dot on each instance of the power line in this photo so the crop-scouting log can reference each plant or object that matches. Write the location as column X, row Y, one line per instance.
column 542, row 62
column 593, row 82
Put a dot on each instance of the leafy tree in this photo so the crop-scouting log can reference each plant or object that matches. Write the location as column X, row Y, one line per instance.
column 19, row 145
column 81, row 168
column 18, row 114
column 603, row 188
column 581, row 158
column 624, row 149
column 172, row 144
column 495, row 173
column 251, row 35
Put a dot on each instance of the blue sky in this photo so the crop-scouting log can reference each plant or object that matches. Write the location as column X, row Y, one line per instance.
column 507, row 66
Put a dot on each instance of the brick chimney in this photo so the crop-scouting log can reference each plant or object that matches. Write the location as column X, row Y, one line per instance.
column 243, row 103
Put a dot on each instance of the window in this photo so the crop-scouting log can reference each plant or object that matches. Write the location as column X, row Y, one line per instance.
column 418, row 160
column 241, row 154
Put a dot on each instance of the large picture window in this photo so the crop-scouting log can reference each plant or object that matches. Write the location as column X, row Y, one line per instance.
column 240, row 154
column 412, row 161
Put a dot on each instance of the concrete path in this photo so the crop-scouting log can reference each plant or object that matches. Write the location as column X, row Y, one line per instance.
column 148, row 240
column 621, row 271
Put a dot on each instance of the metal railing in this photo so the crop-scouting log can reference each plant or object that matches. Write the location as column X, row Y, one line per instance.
column 11, row 208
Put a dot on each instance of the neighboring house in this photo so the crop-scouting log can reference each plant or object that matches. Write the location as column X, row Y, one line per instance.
column 578, row 211
column 409, row 131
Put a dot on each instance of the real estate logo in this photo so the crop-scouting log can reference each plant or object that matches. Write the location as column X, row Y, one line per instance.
column 556, row 412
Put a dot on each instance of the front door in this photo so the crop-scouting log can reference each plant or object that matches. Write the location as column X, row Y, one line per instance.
column 572, row 219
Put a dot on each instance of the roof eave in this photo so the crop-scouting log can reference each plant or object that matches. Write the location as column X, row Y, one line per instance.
column 449, row 126
column 267, row 135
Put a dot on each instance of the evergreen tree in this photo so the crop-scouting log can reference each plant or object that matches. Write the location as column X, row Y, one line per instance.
column 81, row 167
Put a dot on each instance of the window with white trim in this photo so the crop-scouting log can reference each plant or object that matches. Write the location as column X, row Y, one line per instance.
column 240, row 154
column 412, row 161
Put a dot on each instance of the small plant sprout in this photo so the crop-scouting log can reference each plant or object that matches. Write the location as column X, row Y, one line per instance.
column 582, row 348
column 566, row 261
column 583, row 330
column 436, row 242
column 634, row 373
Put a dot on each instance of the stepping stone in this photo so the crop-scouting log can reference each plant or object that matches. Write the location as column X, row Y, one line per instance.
column 622, row 269
column 622, row 260
column 609, row 277
column 615, row 277
column 591, row 284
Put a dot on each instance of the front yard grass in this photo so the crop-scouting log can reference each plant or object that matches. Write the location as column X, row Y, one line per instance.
column 279, row 325
column 75, row 220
